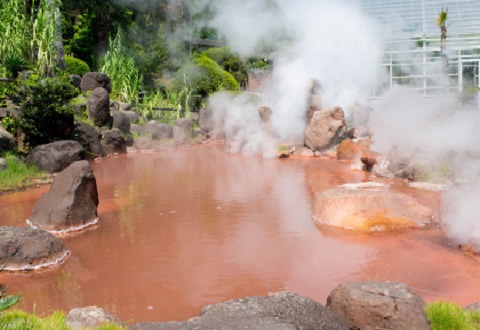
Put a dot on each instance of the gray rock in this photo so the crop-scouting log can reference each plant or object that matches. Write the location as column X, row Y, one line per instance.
column 325, row 129
column 180, row 138
column 374, row 305
column 56, row 156
column 206, row 121
column 92, row 80
column 75, row 80
column 143, row 144
column 97, row 107
column 121, row 121
column 125, row 106
column 158, row 131
column 137, row 129
column 132, row 116
column 187, row 125
column 473, row 307
column 28, row 248
column 114, row 142
column 265, row 114
column 71, row 203
column 89, row 317
column 3, row 164
column 89, row 137
column 279, row 311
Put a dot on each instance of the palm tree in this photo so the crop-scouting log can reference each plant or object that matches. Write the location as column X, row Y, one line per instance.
column 442, row 23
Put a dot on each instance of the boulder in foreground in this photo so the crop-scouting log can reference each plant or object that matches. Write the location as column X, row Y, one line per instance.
column 71, row 203
column 280, row 311
column 28, row 249
column 378, row 305
column 56, row 156
column 89, row 317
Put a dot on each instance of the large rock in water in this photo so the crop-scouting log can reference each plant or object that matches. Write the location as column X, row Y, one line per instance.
column 121, row 121
column 325, row 129
column 157, row 131
column 369, row 207
column 71, row 203
column 206, row 122
column 28, row 248
column 280, row 311
column 56, row 156
column 92, row 80
column 98, row 107
column 373, row 305
column 114, row 142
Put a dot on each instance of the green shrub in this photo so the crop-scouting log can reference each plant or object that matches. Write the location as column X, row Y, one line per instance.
column 76, row 66
column 229, row 62
column 204, row 77
column 445, row 315
column 46, row 115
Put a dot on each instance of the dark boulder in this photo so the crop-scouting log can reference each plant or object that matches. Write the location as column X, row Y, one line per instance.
column 89, row 137
column 375, row 305
column 325, row 129
column 75, row 80
column 92, row 80
column 280, row 311
column 121, row 121
column 7, row 141
column 71, row 203
column 114, row 142
column 28, row 248
column 90, row 317
column 137, row 129
column 187, row 125
column 98, row 107
column 56, row 156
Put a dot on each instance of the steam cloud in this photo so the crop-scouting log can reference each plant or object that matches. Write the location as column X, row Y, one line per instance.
column 332, row 42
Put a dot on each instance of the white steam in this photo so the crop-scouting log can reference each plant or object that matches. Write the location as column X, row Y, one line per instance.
column 332, row 42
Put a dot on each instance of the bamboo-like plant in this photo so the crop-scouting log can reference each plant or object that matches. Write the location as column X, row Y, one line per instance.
column 120, row 65
column 15, row 29
column 43, row 39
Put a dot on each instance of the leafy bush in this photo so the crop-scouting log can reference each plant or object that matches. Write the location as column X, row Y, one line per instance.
column 204, row 77
column 14, row 63
column 445, row 315
column 229, row 62
column 76, row 66
column 46, row 115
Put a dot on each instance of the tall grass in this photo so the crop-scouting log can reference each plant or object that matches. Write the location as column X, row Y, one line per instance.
column 445, row 315
column 44, row 33
column 15, row 29
column 20, row 320
column 119, row 63
column 18, row 174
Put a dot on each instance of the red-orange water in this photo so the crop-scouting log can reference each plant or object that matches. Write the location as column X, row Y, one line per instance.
column 180, row 230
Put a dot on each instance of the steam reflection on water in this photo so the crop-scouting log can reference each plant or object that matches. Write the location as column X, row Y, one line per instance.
column 179, row 230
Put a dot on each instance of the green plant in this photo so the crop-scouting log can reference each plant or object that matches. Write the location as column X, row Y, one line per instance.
column 8, row 302
column 43, row 39
column 47, row 116
column 15, row 29
column 18, row 174
column 76, row 66
column 445, row 315
column 204, row 77
column 14, row 63
column 120, row 65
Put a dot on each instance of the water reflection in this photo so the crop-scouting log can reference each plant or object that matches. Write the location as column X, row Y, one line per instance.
column 179, row 230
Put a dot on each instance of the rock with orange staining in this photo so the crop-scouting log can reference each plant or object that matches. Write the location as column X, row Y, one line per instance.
column 369, row 207
column 348, row 150
column 370, row 159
